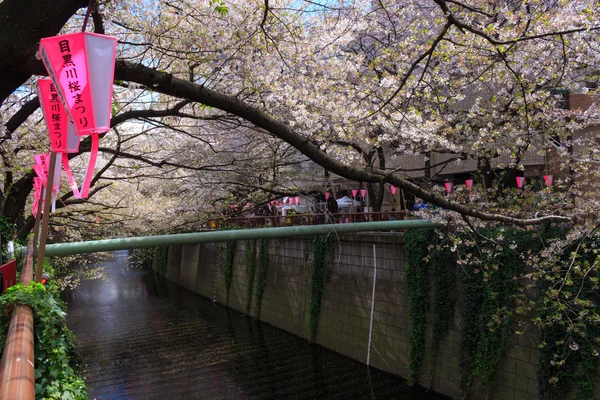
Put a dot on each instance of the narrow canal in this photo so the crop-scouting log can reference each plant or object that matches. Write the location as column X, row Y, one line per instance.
column 142, row 337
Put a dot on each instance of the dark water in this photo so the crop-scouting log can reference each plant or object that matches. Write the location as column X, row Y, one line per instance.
column 142, row 337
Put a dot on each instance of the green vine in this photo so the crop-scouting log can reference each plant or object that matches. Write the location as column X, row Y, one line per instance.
column 162, row 258
column 443, row 262
column 261, row 277
column 250, row 271
column 569, row 353
column 57, row 363
column 228, row 272
column 416, row 242
column 321, row 246
column 490, row 287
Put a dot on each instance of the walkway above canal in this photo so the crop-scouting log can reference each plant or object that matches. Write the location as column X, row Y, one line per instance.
column 142, row 337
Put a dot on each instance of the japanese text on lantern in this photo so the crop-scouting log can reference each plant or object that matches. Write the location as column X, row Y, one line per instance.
column 57, row 119
column 69, row 71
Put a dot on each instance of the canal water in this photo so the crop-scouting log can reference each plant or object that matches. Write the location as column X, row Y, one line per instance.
column 141, row 337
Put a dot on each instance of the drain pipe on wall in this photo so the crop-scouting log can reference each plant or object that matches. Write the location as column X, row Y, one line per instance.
column 372, row 303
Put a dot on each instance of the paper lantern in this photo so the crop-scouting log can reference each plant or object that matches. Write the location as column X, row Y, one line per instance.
column 61, row 130
column 82, row 66
column 520, row 181
column 327, row 196
column 297, row 199
column 469, row 183
column 41, row 169
column 548, row 179
column 448, row 186
column 354, row 193
column 393, row 189
column 363, row 193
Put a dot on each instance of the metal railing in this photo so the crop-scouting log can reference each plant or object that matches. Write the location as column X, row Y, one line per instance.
column 305, row 219
column 17, row 372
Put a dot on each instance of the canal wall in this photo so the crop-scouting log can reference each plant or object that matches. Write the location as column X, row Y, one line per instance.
column 346, row 307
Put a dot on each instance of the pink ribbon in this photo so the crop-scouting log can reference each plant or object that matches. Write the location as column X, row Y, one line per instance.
column 87, row 182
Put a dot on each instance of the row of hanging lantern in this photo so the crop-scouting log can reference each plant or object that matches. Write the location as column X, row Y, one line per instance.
column 76, row 101
column 286, row 200
column 548, row 179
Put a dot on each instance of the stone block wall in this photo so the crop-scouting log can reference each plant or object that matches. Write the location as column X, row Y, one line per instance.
column 346, row 307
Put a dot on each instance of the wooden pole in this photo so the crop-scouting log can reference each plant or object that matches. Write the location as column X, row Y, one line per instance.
column 44, row 234
column 36, row 228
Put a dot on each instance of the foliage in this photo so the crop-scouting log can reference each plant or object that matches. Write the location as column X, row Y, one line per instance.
column 416, row 242
column 490, row 288
column 442, row 263
column 261, row 277
column 64, row 275
column 250, row 271
column 7, row 231
column 142, row 257
column 321, row 246
column 569, row 321
column 162, row 258
column 56, row 360
column 228, row 272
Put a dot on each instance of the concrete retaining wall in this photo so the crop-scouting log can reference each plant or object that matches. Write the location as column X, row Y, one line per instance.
column 346, row 307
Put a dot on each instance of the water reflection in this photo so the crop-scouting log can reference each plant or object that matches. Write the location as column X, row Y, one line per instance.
column 142, row 337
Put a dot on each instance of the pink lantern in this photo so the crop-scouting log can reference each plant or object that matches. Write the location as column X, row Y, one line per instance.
column 520, row 181
column 82, row 66
column 393, row 189
column 327, row 196
column 297, row 199
column 41, row 169
column 363, row 193
column 469, row 183
column 448, row 186
column 548, row 179
column 60, row 128
column 354, row 193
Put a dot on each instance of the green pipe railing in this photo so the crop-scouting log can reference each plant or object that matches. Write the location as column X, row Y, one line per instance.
column 94, row 246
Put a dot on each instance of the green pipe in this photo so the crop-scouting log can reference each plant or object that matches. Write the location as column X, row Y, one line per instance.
column 94, row 246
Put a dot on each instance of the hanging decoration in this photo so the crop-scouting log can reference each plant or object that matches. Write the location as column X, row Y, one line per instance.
column 297, row 199
column 469, row 183
column 354, row 193
column 393, row 189
column 363, row 193
column 548, row 179
column 520, row 181
column 82, row 65
column 448, row 186
column 41, row 168
column 327, row 195
column 38, row 195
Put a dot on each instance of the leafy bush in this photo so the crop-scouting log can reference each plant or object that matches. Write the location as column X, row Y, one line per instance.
column 56, row 360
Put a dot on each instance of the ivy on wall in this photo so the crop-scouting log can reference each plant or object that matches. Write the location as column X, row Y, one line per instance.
column 569, row 353
column 443, row 262
column 490, row 286
column 321, row 246
column 261, row 276
column 416, row 242
column 162, row 258
column 228, row 272
column 250, row 271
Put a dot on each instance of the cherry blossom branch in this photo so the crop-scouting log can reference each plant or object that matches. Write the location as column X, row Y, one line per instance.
column 167, row 84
